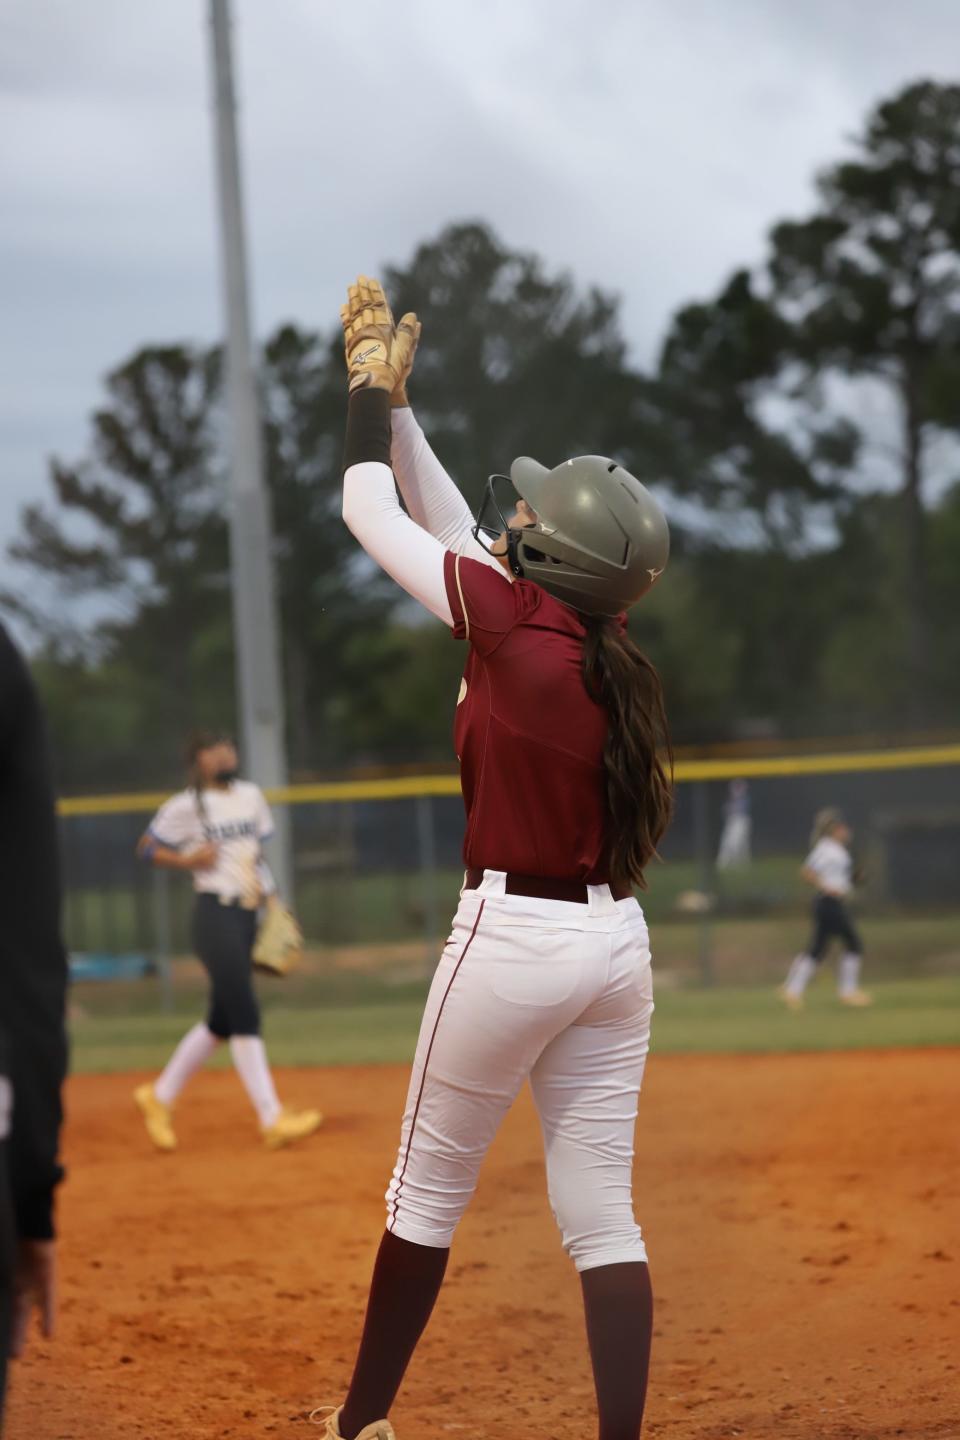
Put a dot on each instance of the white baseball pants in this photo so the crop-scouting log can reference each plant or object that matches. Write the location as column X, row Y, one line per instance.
column 549, row 990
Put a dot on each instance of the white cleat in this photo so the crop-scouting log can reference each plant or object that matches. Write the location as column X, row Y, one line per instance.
column 379, row 1430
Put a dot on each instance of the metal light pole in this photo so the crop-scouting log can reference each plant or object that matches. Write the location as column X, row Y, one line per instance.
column 256, row 642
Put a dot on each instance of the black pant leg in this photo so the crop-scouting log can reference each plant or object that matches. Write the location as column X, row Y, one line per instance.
column 224, row 936
column 822, row 928
column 832, row 921
column 847, row 931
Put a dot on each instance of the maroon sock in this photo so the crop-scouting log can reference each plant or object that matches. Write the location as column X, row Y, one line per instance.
column 618, row 1302
column 406, row 1282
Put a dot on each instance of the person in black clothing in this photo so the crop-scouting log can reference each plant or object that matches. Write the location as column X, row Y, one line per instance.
column 33, row 977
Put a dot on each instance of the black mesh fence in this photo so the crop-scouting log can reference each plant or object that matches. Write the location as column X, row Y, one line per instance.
column 386, row 872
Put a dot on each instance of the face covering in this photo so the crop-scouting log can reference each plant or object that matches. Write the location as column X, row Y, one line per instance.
column 226, row 777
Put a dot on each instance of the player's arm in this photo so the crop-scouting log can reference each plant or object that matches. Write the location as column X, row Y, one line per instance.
column 378, row 354
column 201, row 857
column 265, row 832
column 174, row 841
column 373, row 513
column 432, row 498
column 814, row 878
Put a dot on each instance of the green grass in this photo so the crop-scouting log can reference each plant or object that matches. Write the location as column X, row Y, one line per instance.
column 752, row 951
column 353, row 1035
column 369, row 1025
column 905, row 1013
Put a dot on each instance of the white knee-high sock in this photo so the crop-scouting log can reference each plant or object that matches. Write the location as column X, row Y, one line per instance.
column 801, row 972
column 191, row 1055
column 848, row 977
column 250, row 1058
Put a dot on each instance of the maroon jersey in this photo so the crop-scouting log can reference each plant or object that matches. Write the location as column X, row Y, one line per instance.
column 529, row 738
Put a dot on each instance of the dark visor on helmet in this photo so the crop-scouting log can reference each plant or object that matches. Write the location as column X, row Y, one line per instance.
column 497, row 509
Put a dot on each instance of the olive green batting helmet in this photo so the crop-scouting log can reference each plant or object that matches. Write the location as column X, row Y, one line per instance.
column 601, row 539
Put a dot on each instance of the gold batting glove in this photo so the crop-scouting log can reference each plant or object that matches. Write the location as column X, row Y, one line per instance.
column 398, row 396
column 378, row 352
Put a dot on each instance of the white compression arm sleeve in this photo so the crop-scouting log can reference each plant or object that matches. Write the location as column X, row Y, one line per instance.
column 411, row 556
column 429, row 494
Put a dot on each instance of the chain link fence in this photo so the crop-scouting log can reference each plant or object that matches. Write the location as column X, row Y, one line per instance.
column 378, row 868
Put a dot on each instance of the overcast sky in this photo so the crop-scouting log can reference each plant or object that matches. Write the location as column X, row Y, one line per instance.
column 644, row 144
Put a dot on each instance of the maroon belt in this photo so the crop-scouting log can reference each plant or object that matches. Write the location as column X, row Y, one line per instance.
column 542, row 887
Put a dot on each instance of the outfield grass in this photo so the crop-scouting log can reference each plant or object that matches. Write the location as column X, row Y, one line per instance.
column 374, row 1028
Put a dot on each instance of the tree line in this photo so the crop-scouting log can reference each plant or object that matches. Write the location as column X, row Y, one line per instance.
column 801, row 426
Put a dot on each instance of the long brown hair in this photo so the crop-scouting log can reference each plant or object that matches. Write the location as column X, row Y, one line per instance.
column 619, row 676
column 199, row 740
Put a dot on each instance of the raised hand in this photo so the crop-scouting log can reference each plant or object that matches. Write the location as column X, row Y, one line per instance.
column 379, row 354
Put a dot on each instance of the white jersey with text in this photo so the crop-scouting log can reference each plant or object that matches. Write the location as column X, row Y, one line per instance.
column 832, row 863
column 236, row 820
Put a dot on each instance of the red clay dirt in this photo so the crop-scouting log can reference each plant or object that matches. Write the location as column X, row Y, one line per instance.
column 801, row 1214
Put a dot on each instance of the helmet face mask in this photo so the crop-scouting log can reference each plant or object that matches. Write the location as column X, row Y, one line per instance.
column 493, row 508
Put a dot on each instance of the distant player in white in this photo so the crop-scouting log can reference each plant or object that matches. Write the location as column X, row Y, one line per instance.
column 829, row 869
column 735, row 837
column 215, row 829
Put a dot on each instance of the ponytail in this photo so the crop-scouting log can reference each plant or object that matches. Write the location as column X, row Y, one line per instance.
column 823, row 822
column 619, row 676
column 199, row 740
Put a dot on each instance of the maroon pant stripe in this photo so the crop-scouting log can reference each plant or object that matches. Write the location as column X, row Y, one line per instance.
column 423, row 1077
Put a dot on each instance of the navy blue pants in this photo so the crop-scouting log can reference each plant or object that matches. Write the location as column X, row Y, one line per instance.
column 831, row 920
column 223, row 937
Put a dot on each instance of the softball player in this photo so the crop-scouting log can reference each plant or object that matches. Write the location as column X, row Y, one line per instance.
column 215, row 829
column 546, row 975
column 734, row 849
column 829, row 869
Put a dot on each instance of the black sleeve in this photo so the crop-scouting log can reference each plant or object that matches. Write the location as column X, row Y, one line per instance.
column 369, row 428
column 33, row 964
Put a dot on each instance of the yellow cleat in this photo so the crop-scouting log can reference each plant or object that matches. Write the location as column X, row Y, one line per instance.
column 379, row 1430
column 792, row 1002
column 157, row 1117
column 858, row 998
column 291, row 1126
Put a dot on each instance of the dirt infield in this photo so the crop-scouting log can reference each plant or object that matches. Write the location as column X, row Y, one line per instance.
column 801, row 1214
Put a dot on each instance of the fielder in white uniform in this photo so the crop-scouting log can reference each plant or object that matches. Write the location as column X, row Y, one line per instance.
column 546, row 976
column 829, row 869
column 734, row 849
column 215, row 830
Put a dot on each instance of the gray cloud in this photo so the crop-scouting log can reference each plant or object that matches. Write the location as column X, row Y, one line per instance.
column 646, row 147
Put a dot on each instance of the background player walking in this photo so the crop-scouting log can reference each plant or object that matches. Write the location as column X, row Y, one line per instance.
column 215, row 829
column 734, row 848
column 829, row 869
column 546, row 975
